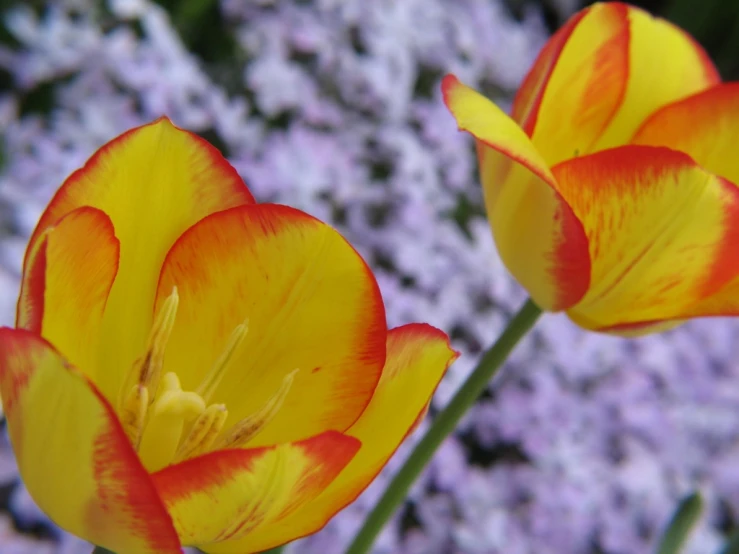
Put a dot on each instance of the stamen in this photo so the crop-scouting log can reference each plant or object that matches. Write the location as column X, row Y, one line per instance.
column 133, row 413
column 166, row 424
column 249, row 427
column 203, row 432
column 213, row 379
column 149, row 368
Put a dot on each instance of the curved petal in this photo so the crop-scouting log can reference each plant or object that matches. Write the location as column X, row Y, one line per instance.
column 586, row 85
column 594, row 81
column 705, row 126
column 527, row 103
column 227, row 495
column 69, row 274
column 665, row 65
column 724, row 302
column 662, row 234
column 72, row 453
column 153, row 182
column 309, row 301
column 539, row 238
column 418, row 356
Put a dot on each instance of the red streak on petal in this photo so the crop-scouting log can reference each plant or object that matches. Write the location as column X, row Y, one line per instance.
column 177, row 482
column 33, row 286
column 571, row 264
column 525, row 111
column 725, row 267
column 629, row 327
column 115, row 461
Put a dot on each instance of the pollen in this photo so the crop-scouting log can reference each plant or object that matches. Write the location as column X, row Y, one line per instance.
column 167, row 424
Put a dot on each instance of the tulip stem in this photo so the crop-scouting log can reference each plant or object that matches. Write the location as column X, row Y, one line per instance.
column 444, row 423
column 101, row 550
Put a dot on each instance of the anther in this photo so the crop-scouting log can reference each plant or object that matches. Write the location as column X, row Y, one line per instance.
column 249, row 427
column 203, row 433
column 133, row 413
column 149, row 367
column 213, row 379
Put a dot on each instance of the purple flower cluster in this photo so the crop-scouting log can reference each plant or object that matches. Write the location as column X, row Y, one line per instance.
column 584, row 443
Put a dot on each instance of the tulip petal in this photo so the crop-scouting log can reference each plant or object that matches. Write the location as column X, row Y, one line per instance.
column 153, row 182
column 310, row 303
column 594, row 81
column 527, row 103
column 705, row 126
column 418, row 356
column 662, row 233
column 724, row 302
column 665, row 65
column 228, row 494
column 69, row 274
column 539, row 238
column 585, row 86
column 72, row 453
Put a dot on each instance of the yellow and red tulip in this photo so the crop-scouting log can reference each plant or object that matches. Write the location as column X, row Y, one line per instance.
column 611, row 190
column 192, row 368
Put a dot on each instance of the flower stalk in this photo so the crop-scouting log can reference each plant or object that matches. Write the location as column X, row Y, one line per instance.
column 443, row 425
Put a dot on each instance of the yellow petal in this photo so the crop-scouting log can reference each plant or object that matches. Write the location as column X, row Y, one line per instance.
column 69, row 274
column 586, row 85
column 724, row 302
column 601, row 75
column 665, row 65
column 227, row 495
column 153, row 182
column 705, row 126
column 73, row 455
column 311, row 303
column 539, row 239
column 528, row 98
column 662, row 233
column 418, row 356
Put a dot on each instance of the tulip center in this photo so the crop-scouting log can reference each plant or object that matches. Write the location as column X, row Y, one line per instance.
column 166, row 424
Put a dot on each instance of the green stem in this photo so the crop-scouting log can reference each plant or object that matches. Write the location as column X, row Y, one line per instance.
column 443, row 425
column 101, row 550
column 275, row 550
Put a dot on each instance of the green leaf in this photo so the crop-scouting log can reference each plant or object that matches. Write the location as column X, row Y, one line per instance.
column 681, row 524
column 732, row 545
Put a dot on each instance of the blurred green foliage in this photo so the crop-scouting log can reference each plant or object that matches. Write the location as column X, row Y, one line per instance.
column 681, row 524
column 715, row 23
column 732, row 545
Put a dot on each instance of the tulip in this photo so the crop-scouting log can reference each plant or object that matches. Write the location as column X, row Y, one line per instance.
column 610, row 189
column 192, row 368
